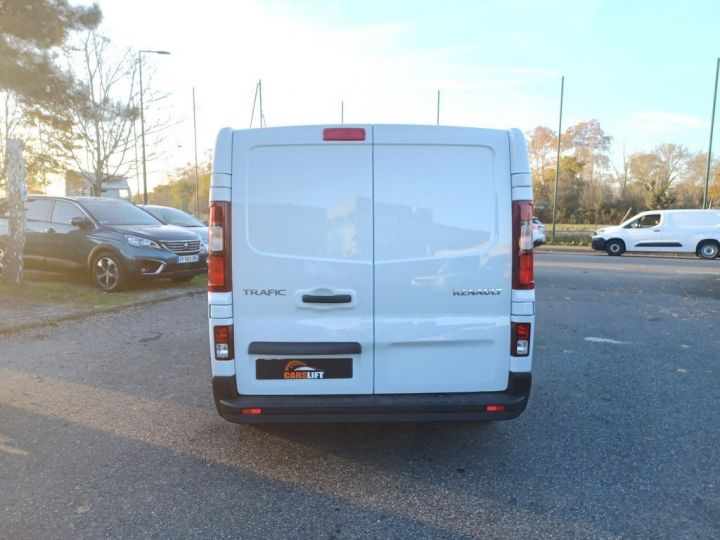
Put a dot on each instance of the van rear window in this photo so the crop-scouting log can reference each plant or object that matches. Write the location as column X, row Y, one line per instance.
column 435, row 201
column 311, row 201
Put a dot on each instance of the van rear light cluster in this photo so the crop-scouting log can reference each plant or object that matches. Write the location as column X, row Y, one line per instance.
column 520, row 339
column 223, row 338
column 219, row 251
column 522, row 250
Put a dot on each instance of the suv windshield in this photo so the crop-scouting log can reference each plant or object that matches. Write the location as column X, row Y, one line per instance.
column 172, row 216
column 110, row 212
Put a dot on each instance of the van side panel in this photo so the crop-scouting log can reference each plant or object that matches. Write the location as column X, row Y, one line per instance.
column 442, row 259
column 302, row 232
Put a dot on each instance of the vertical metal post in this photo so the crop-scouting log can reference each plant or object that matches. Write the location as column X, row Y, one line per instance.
column 342, row 112
column 197, row 180
column 142, row 119
column 438, row 109
column 557, row 164
column 712, row 125
column 142, row 130
column 137, row 167
column 262, row 114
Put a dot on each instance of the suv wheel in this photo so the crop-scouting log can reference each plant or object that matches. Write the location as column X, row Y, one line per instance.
column 708, row 249
column 108, row 272
column 615, row 247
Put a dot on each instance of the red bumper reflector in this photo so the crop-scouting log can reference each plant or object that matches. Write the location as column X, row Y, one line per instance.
column 344, row 134
column 252, row 411
column 495, row 408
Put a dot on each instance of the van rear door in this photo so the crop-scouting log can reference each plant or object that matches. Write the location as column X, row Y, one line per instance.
column 442, row 259
column 302, row 260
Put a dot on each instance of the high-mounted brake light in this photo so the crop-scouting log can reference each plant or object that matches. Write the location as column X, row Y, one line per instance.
column 495, row 408
column 223, row 338
column 519, row 339
column 522, row 249
column 219, row 248
column 344, row 134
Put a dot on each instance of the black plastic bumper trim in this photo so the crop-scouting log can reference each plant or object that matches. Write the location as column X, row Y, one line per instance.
column 304, row 347
column 598, row 244
column 372, row 407
column 659, row 244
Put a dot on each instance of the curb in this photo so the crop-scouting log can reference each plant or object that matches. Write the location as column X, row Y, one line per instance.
column 549, row 249
column 545, row 248
column 84, row 314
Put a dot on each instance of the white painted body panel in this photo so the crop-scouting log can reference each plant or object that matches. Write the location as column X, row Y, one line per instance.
column 442, row 222
column 302, row 222
column 398, row 221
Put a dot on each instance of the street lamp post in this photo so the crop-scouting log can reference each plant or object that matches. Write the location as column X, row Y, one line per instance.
column 712, row 125
column 142, row 119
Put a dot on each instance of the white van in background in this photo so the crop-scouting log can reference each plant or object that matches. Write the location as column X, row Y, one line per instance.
column 370, row 273
column 667, row 231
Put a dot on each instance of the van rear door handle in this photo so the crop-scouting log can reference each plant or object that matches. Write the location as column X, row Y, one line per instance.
column 326, row 298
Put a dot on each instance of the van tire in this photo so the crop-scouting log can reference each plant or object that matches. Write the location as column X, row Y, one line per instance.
column 615, row 247
column 108, row 272
column 708, row 249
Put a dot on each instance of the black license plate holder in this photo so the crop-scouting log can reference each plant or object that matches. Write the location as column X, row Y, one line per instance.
column 303, row 369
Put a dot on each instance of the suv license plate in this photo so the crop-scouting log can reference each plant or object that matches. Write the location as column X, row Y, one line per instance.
column 188, row 258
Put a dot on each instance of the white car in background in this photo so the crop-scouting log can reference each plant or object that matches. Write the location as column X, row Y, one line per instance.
column 664, row 231
column 539, row 237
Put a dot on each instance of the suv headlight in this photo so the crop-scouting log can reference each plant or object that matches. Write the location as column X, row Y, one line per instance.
column 136, row 241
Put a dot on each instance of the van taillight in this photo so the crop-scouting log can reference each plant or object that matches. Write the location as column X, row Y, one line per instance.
column 519, row 339
column 219, row 248
column 522, row 251
column 223, row 338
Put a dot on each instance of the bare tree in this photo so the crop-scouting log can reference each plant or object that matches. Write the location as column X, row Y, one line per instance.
column 104, row 108
column 658, row 171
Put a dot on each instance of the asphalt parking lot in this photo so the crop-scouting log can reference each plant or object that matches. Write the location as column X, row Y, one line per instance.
column 107, row 429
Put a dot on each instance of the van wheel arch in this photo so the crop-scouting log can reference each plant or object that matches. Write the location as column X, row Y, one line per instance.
column 615, row 247
column 708, row 249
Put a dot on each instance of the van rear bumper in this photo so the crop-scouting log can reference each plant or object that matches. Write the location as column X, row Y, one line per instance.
column 371, row 407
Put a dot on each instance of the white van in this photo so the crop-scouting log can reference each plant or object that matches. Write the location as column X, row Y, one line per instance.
column 669, row 231
column 370, row 273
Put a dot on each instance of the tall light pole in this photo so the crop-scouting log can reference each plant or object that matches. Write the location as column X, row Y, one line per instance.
column 557, row 163
column 142, row 119
column 197, row 181
column 712, row 125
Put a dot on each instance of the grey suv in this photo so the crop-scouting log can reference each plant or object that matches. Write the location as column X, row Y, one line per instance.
column 114, row 241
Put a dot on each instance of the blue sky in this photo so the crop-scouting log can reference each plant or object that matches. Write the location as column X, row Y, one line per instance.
column 644, row 69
